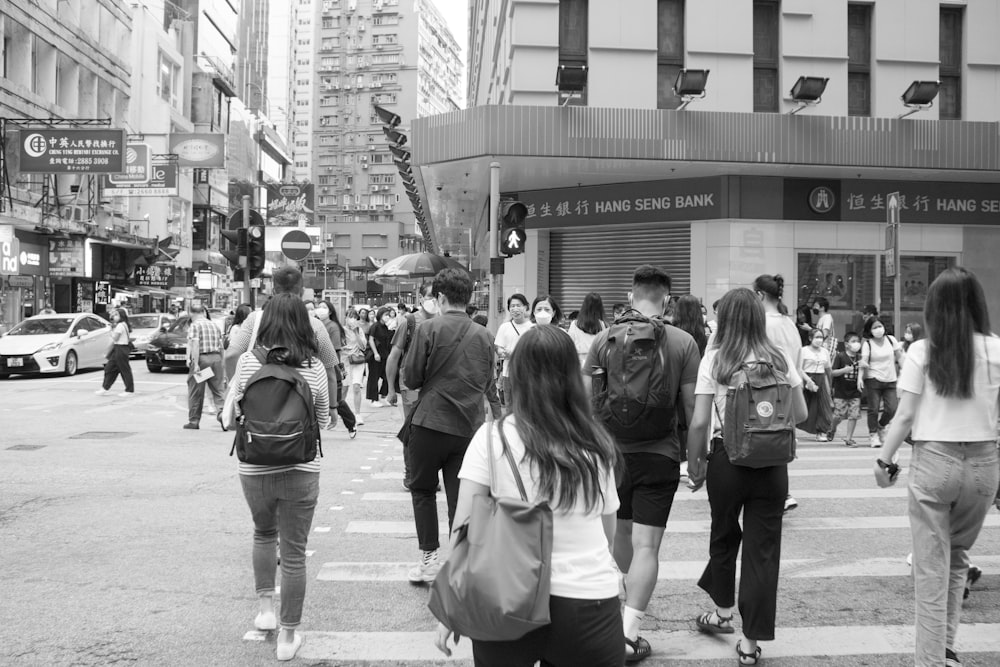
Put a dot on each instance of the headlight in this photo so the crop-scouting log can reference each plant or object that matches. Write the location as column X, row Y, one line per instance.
column 50, row 346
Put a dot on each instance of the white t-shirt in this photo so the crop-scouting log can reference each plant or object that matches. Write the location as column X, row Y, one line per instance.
column 707, row 384
column 955, row 419
column 582, row 566
column 881, row 358
column 825, row 323
column 815, row 361
column 582, row 340
column 782, row 332
column 507, row 337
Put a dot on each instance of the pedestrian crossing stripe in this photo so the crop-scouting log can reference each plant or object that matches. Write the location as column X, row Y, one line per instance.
column 695, row 526
column 792, row 568
column 684, row 645
column 683, row 495
column 792, row 472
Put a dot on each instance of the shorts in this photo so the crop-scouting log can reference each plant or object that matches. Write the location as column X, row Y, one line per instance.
column 356, row 372
column 846, row 408
column 647, row 487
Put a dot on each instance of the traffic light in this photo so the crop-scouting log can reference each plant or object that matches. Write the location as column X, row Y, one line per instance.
column 255, row 250
column 237, row 250
column 512, row 234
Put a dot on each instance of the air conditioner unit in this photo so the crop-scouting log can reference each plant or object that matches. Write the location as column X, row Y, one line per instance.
column 374, row 188
column 385, row 188
column 74, row 213
column 387, row 207
column 364, row 165
column 378, row 47
column 373, row 207
column 329, row 238
column 371, row 147
column 329, row 244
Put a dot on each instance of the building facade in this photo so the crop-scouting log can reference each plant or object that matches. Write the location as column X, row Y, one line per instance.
column 400, row 55
column 743, row 180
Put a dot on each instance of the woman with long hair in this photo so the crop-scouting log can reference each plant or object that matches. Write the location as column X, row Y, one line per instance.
column 287, row 492
column 545, row 310
column 949, row 390
column 880, row 356
column 911, row 334
column 355, row 344
column 327, row 314
column 817, row 376
column 759, row 493
column 239, row 317
column 588, row 323
column 566, row 458
column 118, row 355
column 379, row 342
column 689, row 316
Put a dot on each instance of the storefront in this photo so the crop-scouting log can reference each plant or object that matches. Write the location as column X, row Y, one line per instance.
column 25, row 289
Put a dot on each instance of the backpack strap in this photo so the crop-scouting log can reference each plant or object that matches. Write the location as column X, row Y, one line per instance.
column 259, row 352
column 255, row 329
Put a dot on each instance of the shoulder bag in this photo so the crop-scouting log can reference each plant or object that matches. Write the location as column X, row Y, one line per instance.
column 495, row 584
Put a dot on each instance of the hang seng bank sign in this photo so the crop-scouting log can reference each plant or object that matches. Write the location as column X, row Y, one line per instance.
column 675, row 200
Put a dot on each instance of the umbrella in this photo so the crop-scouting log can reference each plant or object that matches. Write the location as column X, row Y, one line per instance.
column 416, row 265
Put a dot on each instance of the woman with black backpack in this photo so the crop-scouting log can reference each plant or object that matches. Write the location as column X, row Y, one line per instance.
column 758, row 492
column 288, row 491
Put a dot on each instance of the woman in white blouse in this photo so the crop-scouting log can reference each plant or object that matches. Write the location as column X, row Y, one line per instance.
column 949, row 388
column 588, row 323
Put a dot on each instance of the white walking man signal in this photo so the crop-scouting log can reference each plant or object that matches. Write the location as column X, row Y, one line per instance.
column 513, row 240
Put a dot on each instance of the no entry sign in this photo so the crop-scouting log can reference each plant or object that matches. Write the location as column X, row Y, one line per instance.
column 296, row 245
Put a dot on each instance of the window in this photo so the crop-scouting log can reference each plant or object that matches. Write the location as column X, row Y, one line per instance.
column 669, row 51
column 573, row 39
column 765, row 56
column 374, row 241
column 341, row 240
column 950, row 72
column 859, row 59
column 168, row 81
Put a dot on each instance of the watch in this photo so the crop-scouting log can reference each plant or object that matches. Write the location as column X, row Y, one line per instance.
column 891, row 468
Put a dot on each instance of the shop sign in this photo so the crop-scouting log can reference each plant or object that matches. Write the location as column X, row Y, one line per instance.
column 161, row 277
column 162, row 183
column 72, row 151
column 290, row 203
column 20, row 281
column 10, row 264
column 202, row 150
column 649, row 201
column 822, row 200
column 933, row 203
column 66, row 257
column 83, row 296
column 137, row 166
column 102, row 295
column 34, row 259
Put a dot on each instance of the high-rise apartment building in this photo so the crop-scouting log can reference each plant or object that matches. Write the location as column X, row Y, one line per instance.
column 782, row 162
column 398, row 54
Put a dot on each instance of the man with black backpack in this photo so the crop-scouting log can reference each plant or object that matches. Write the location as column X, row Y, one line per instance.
column 642, row 372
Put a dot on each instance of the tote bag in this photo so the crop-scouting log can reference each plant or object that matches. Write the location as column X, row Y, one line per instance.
column 495, row 584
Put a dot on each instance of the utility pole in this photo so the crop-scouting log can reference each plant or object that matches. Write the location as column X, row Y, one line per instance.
column 495, row 310
column 247, row 291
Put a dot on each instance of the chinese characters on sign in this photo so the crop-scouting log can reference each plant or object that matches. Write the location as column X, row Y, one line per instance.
column 162, row 182
column 154, row 276
column 66, row 257
column 63, row 151
column 931, row 203
column 137, row 161
column 290, row 203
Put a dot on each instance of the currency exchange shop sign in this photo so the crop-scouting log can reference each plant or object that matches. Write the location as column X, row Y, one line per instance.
column 71, row 151
column 648, row 201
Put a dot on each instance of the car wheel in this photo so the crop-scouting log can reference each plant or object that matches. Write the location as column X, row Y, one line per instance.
column 4, row 376
column 153, row 368
column 71, row 363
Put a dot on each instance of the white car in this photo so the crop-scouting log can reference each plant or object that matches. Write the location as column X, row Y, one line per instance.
column 61, row 343
column 144, row 327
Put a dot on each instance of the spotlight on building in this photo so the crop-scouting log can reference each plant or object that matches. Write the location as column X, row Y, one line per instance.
column 690, row 85
column 393, row 136
column 919, row 96
column 808, row 91
column 571, row 79
column 387, row 117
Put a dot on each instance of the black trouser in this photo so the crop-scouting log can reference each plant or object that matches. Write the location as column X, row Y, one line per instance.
column 347, row 415
column 583, row 633
column 760, row 494
column 376, row 372
column 430, row 452
column 118, row 362
column 884, row 394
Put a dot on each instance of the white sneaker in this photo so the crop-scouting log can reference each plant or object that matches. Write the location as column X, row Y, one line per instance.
column 126, row 394
column 426, row 570
column 102, row 392
column 360, row 421
column 876, row 441
column 822, row 437
column 266, row 621
column 790, row 503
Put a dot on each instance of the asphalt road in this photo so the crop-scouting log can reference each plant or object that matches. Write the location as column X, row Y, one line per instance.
column 127, row 541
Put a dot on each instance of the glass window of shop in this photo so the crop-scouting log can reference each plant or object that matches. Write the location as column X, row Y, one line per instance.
column 850, row 281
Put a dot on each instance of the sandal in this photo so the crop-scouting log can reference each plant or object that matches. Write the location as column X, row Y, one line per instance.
column 721, row 626
column 640, row 650
column 747, row 658
column 850, row 443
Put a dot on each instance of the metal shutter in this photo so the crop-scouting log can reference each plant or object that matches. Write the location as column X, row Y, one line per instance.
column 584, row 261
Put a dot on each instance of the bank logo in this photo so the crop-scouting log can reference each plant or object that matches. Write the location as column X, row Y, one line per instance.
column 821, row 199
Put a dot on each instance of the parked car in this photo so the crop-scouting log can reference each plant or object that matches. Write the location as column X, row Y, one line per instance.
column 60, row 343
column 144, row 327
column 168, row 349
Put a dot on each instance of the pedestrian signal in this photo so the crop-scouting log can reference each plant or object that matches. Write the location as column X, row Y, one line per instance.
column 512, row 234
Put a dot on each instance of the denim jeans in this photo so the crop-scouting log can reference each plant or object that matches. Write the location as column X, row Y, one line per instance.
column 282, row 504
column 196, row 390
column 884, row 393
column 952, row 486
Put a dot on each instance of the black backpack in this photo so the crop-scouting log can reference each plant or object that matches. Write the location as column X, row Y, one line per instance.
column 278, row 424
column 633, row 398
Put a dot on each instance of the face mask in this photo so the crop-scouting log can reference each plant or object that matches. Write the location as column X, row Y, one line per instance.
column 431, row 305
column 391, row 324
column 543, row 317
column 322, row 313
column 817, row 342
column 878, row 333
column 908, row 337
column 854, row 346
column 815, row 311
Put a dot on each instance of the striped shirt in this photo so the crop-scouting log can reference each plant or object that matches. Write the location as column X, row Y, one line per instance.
column 315, row 376
column 207, row 334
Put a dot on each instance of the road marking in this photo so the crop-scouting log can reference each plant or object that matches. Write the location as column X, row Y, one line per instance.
column 321, row 529
column 358, row 481
column 699, row 526
column 347, row 493
column 683, row 495
column 310, row 552
column 255, row 636
column 792, row 472
column 369, row 468
column 683, row 645
column 337, row 508
column 803, row 568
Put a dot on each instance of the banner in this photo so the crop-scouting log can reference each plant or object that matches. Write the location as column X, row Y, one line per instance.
column 66, row 257
column 290, row 203
column 202, row 150
column 71, row 151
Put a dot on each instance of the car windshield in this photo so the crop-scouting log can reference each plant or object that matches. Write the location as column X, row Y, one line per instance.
column 180, row 326
column 144, row 321
column 46, row 327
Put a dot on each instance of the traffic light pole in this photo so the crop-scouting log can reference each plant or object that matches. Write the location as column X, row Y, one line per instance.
column 495, row 309
column 247, row 292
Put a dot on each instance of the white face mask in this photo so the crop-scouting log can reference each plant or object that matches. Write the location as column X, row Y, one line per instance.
column 908, row 337
column 854, row 346
column 878, row 333
column 543, row 317
column 431, row 305
column 322, row 313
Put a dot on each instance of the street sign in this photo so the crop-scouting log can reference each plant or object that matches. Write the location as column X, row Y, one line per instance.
column 892, row 208
column 236, row 219
column 71, row 151
column 296, row 245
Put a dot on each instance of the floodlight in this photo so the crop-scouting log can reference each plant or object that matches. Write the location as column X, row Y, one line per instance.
column 690, row 85
column 919, row 96
column 808, row 91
